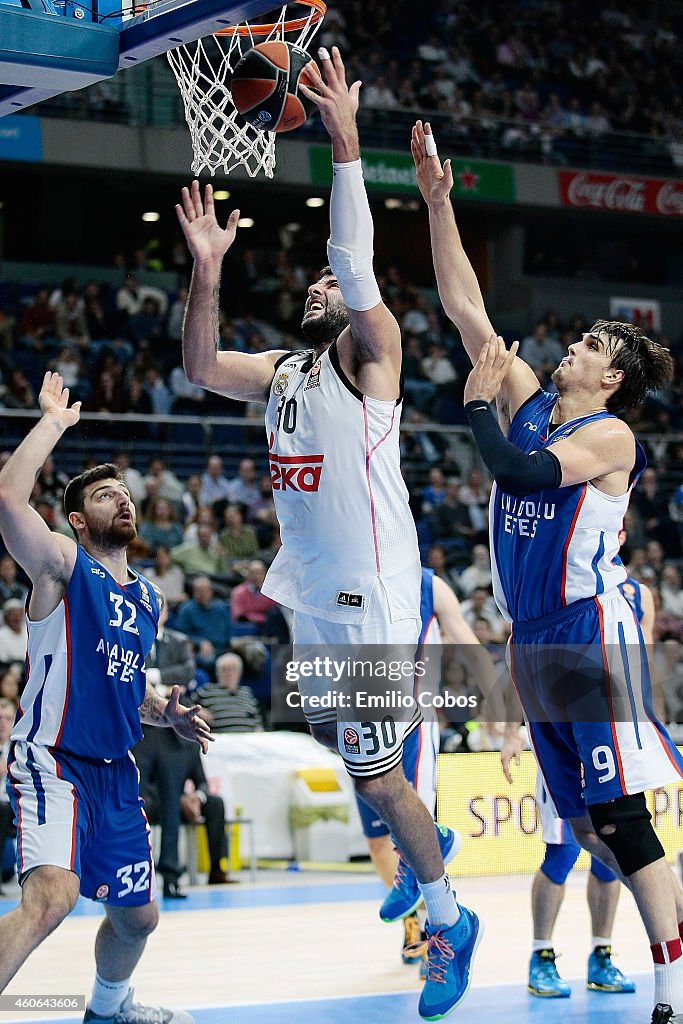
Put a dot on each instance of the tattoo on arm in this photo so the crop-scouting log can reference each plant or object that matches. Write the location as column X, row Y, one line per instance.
column 153, row 708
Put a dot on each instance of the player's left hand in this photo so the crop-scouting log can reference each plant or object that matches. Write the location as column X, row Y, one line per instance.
column 186, row 721
column 490, row 370
column 337, row 102
column 435, row 180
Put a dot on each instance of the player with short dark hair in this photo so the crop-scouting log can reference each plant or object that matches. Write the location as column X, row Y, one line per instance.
column 563, row 478
column 349, row 564
column 72, row 781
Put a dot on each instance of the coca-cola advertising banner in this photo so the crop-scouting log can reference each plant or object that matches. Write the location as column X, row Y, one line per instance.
column 623, row 193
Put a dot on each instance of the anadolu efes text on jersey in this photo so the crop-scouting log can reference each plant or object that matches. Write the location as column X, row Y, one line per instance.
column 339, row 495
column 86, row 674
column 558, row 546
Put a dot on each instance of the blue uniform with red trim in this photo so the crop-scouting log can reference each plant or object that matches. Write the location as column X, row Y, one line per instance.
column 72, row 780
column 562, row 849
column 576, row 651
column 421, row 746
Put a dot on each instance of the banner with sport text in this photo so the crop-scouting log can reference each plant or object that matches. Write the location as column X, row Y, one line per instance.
column 499, row 823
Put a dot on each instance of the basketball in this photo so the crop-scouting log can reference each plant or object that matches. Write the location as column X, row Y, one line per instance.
column 265, row 86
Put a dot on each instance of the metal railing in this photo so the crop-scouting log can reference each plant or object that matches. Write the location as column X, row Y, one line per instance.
column 185, row 442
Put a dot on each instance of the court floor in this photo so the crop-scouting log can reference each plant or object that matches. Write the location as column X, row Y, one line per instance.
column 310, row 946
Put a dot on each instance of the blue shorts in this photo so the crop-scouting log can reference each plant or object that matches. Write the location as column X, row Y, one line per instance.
column 85, row 816
column 419, row 767
column 584, row 683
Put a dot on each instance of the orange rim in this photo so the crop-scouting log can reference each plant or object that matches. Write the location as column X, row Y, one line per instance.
column 296, row 25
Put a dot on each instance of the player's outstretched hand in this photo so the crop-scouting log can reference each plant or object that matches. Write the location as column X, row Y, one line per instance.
column 54, row 401
column 490, row 370
column 206, row 240
column 187, row 722
column 336, row 101
column 435, row 182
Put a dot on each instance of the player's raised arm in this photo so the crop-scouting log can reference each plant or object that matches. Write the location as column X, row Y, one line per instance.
column 594, row 452
column 374, row 336
column 456, row 280
column 234, row 374
column 47, row 558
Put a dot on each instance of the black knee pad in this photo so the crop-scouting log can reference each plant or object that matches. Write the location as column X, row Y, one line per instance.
column 633, row 840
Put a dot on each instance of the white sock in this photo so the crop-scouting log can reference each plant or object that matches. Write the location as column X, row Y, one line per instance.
column 440, row 902
column 538, row 944
column 600, row 940
column 669, row 984
column 107, row 996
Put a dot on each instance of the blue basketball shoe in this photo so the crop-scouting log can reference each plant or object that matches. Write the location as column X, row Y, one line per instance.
column 405, row 896
column 544, row 980
column 603, row 975
column 449, row 964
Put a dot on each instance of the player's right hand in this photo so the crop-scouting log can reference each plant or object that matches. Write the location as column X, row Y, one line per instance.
column 435, row 182
column 336, row 101
column 54, row 401
column 511, row 750
column 206, row 240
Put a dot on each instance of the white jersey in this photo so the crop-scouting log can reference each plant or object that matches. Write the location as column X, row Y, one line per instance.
column 339, row 495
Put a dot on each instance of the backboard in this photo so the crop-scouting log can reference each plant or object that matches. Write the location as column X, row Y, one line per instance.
column 42, row 55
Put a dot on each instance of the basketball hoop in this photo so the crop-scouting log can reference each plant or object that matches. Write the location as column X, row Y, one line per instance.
column 221, row 138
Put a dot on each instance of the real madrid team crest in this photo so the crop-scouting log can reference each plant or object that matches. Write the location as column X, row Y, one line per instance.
column 313, row 377
column 280, row 385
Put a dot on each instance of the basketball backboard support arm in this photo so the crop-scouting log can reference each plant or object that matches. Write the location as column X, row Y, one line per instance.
column 41, row 59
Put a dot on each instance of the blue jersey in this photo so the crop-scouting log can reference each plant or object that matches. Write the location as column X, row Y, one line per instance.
column 85, row 673
column 556, row 546
column 427, row 615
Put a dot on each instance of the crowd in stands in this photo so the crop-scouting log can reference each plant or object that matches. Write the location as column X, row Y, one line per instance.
column 206, row 537
column 206, row 542
column 118, row 350
column 543, row 80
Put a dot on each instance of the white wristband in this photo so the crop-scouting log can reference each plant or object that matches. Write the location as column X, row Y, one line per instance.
column 430, row 145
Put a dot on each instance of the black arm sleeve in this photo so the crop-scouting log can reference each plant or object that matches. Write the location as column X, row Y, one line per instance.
column 514, row 471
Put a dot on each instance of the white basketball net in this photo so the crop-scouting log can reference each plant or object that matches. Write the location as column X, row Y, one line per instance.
column 221, row 139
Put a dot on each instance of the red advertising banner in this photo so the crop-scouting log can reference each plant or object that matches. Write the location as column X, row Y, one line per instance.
column 622, row 193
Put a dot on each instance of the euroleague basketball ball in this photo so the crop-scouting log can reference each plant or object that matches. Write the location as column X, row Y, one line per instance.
column 265, row 86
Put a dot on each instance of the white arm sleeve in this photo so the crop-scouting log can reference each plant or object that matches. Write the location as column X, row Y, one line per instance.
column 349, row 248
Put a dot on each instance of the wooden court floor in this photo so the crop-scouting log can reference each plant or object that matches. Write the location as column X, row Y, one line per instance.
column 311, row 946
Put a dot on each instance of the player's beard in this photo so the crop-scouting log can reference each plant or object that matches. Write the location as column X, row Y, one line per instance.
column 325, row 328
column 113, row 537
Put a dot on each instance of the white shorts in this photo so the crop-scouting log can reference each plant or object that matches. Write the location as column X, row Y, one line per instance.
column 374, row 746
